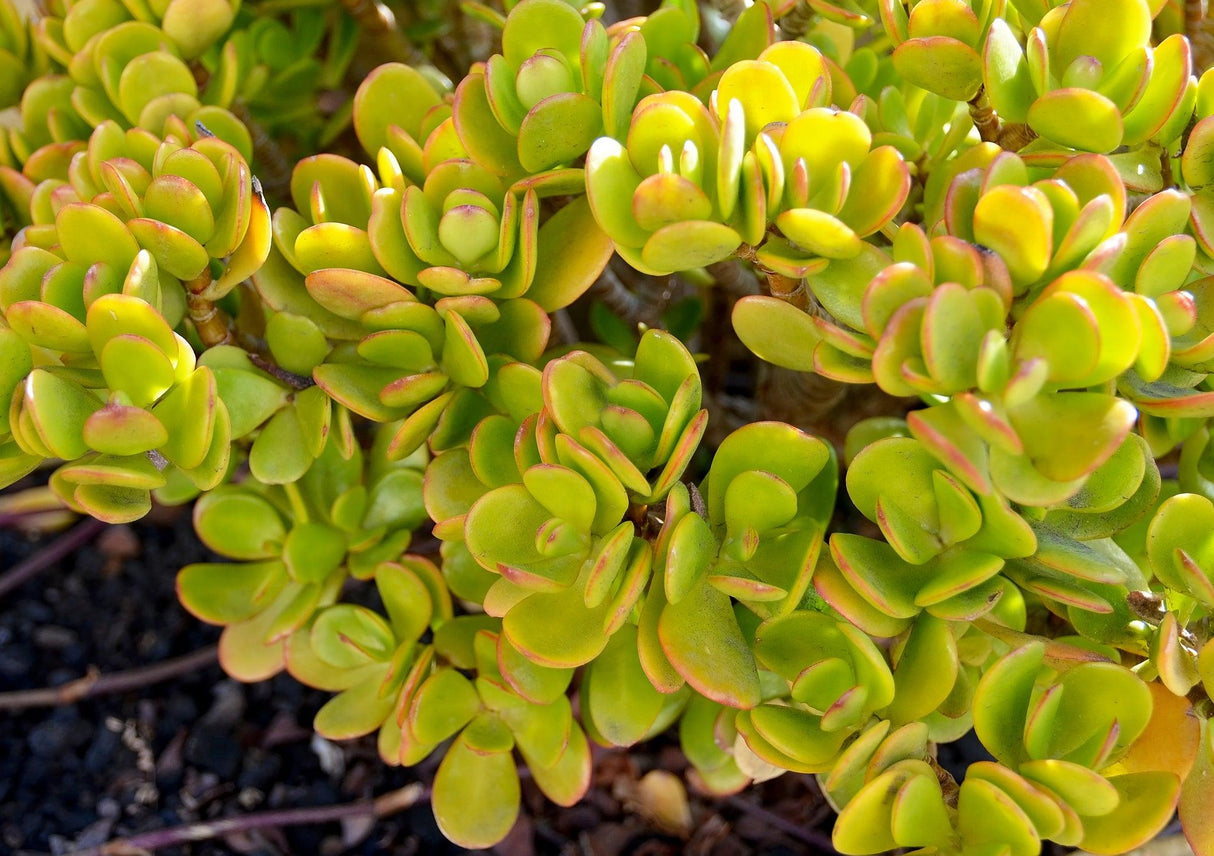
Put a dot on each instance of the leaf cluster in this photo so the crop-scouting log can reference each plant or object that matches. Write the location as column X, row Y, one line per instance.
column 996, row 213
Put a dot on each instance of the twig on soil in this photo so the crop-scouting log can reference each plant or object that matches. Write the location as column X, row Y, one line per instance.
column 380, row 807
column 809, row 836
column 96, row 684
column 61, row 547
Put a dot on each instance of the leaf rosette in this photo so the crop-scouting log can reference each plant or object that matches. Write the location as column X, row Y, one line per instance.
column 425, row 365
column 135, row 69
column 1060, row 729
column 295, row 547
column 745, row 554
column 513, row 705
column 1082, row 82
column 690, row 186
column 48, row 132
column 374, row 665
column 124, row 401
column 277, row 66
column 924, row 127
column 837, row 679
column 1061, row 223
column 601, row 445
column 189, row 200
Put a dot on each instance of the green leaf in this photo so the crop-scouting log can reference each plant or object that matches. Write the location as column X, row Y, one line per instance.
column 571, row 254
column 356, row 711
column 701, row 638
column 229, row 593
column 476, row 795
column 538, row 684
column 443, row 705
column 1147, row 802
column 557, row 629
column 239, row 523
column 1001, row 702
column 619, row 698
column 566, row 780
column 60, row 409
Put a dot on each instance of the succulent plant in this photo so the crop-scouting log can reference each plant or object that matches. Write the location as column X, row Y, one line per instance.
column 996, row 215
column 1084, row 83
column 296, row 544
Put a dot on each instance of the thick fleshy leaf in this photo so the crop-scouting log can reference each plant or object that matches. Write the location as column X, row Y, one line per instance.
column 776, row 331
column 689, row 244
column 940, row 64
column 476, row 795
column 228, row 593
column 239, row 523
column 1147, row 802
column 1196, row 796
column 621, row 701
column 572, row 252
column 556, row 629
column 702, row 640
column 1079, row 118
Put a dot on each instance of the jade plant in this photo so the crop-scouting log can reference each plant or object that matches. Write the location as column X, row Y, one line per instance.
column 446, row 360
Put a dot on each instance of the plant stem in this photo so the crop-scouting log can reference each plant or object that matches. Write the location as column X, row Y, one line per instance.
column 379, row 23
column 788, row 289
column 1198, row 31
column 298, row 382
column 299, row 507
column 735, row 279
column 1015, row 136
column 209, row 320
column 96, row 684
column 814, row 839
column 380, row 807
column 619, row 299
column 984, row 117
column 276, row 166
column 62, row 546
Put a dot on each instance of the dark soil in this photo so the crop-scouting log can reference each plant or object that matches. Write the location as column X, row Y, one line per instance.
column 203, row 747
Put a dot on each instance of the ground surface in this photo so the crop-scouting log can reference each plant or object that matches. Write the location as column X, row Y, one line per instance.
column 201, row 747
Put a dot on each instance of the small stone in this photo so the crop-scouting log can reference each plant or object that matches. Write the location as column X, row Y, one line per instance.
column 15, row 662
column 215, row 750
column 101, row 754
column 50, row 739
column 119, row 542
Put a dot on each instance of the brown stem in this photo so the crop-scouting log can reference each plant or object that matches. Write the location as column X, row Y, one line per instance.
column 62, row 546
column 379, row 23
column 815, row 839
column 1198, row 29
column 984, row 117
column 96, row 684
column 1194, row 14
column 734, row 278
column 1015, row 136
column 619, row 299
column 948, row 785
column 211, row 322
column 796, row 21
column 380, row 807
column 276, row 167
column 278, row 372
column 788, row 289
